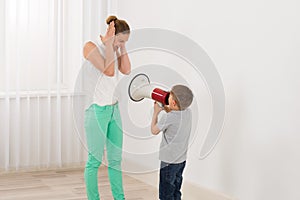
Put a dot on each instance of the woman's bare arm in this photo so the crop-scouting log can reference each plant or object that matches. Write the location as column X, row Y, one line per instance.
column 92, row 53
column 123, row 61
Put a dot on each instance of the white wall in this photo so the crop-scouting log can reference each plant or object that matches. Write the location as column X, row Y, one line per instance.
column 255, row 46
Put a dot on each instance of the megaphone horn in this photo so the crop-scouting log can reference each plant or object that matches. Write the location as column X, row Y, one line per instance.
column 140, row 88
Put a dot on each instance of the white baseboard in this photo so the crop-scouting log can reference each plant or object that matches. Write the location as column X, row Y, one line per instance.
column 190, row 191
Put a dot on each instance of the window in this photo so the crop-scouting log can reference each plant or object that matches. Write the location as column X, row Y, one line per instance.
column 41, row 42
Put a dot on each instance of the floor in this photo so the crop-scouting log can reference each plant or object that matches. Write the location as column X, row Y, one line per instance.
column 66, row 184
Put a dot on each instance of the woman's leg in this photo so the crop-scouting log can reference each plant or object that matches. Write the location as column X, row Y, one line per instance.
column 96, row 122
column 114, row 145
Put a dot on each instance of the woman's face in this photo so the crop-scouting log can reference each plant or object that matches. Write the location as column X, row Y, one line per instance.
column 120, row 40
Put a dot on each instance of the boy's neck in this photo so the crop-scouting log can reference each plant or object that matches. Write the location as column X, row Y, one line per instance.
column 175, row 109
column 169, row 109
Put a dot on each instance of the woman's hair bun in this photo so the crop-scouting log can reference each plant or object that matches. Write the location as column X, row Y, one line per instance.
column 121, row 26
column 110, row 19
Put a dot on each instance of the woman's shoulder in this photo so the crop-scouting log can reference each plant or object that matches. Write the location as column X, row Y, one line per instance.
column 90, row 46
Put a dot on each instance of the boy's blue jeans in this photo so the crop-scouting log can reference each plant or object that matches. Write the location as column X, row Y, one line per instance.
column 170, row 181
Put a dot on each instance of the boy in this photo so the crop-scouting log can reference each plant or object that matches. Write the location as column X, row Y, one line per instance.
column 176, row 128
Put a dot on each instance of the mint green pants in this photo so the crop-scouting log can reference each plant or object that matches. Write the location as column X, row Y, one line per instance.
column 103, row 127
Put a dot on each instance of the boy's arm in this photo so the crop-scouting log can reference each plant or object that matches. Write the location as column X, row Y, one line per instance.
column 154, row 129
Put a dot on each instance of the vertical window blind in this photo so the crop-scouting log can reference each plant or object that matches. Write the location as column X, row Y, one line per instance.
column 41, row 54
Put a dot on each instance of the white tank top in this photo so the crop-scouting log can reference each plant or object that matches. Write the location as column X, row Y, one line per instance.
column 105, row 90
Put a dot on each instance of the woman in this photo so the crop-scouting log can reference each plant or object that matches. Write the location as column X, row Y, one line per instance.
column 102, row 118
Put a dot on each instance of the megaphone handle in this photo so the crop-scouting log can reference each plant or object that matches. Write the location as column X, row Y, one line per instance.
column 160, row 104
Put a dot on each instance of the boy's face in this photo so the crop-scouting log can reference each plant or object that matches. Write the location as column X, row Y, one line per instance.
column 172, row 102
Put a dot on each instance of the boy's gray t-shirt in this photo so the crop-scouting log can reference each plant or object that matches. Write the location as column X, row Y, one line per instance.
column 176, row 127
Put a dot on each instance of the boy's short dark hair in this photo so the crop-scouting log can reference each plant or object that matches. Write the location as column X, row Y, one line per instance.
column 182, row 95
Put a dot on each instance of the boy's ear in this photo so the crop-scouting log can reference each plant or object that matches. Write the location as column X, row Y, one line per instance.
column 174, row 102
